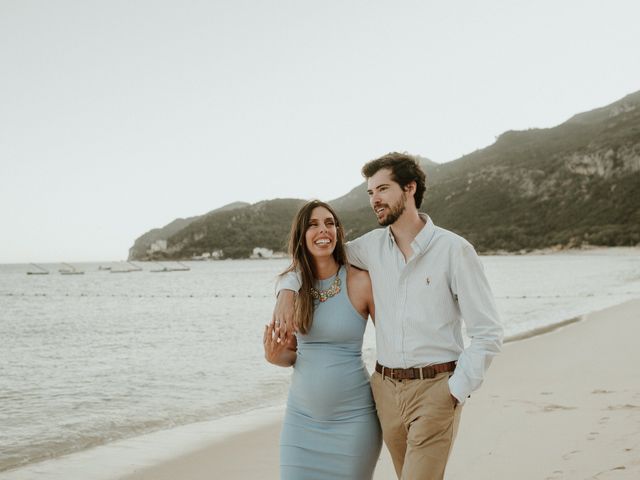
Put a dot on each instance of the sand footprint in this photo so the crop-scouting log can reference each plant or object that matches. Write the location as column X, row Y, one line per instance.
column 553, row 407
column 603, row 420
column 557, row 474
column 621, row 467
column 592, row 435
column 627, row 406
column 567, row 456
column 550, row 407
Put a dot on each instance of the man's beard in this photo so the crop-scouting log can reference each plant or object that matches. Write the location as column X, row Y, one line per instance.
column 394, row 213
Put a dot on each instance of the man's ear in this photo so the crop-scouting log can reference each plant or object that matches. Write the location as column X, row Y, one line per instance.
column 411, row 187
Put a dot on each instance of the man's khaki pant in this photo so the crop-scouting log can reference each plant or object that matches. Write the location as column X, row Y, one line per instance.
column 419, row 424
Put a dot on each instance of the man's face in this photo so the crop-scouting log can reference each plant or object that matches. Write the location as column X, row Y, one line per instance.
column 386, row 197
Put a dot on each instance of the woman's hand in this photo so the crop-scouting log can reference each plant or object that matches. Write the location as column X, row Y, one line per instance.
column 279, row 347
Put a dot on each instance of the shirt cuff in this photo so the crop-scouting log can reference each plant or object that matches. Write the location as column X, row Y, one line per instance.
column 459, row 388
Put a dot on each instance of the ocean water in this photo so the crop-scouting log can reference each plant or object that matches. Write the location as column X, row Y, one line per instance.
column 89, row 359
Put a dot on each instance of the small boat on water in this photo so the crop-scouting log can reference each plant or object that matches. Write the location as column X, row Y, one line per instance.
column 134, row 268
column 163, row 269
column 40, row 270
column 102, row 268
column 70, row 270
column 181, row 268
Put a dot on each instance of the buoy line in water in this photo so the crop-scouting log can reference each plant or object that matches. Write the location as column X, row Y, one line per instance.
column 113, row 295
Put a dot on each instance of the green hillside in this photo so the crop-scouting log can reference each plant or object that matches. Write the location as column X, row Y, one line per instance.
column 574, row 184
column 236, row 232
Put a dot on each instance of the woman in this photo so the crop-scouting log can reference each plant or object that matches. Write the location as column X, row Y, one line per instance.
column 330, row 429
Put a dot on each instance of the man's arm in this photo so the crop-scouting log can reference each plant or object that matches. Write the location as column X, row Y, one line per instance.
column 480, row 315
column 357, row 253
column 288, row 285
column 287, row 288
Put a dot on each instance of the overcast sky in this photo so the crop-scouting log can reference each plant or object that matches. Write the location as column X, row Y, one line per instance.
column 119, row 116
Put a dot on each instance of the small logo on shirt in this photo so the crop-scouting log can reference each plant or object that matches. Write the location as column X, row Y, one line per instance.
column 428, row 280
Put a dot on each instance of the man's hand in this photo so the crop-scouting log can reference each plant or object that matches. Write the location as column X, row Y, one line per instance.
column 283, row 312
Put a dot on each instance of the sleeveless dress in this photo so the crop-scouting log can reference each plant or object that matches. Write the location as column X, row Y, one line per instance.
column 330, row 429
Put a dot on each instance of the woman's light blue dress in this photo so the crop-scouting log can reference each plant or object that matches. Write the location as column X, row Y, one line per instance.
column 330, row 430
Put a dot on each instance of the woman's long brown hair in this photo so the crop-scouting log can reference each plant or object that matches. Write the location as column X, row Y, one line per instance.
column 302, row 263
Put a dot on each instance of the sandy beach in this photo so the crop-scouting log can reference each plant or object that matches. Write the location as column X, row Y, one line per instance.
column 561, row 405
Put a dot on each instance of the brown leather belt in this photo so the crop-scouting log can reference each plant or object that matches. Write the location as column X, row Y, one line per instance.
column 429, row 371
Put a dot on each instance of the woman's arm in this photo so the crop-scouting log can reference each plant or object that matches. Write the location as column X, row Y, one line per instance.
column 279, row 351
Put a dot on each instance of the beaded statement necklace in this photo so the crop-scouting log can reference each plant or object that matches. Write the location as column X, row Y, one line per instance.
column 332, row 291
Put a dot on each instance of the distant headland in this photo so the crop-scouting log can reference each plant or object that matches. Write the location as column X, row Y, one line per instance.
column 573, row 185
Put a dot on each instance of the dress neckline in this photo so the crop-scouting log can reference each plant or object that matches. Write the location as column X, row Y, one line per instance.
column 329, row 279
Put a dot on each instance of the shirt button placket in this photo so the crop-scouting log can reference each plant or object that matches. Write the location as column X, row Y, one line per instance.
column 403, row 317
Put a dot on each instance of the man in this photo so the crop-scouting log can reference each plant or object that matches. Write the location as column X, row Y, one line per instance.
column 426, row 281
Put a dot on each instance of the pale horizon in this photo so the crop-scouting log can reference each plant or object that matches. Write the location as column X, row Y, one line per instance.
column 120, row 117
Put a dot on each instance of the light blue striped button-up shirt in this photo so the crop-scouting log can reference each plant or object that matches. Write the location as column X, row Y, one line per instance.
column 422, row 302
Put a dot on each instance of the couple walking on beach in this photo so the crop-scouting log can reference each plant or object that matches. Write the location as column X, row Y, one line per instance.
column 418, row 283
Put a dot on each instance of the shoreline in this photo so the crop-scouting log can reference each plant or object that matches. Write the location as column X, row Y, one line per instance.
column 558, row 249
column 120, row 458
column 224, row 444
column 535, row 332
column 587, row 249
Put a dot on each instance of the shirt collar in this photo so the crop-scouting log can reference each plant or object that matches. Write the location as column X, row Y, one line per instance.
column 423, row 238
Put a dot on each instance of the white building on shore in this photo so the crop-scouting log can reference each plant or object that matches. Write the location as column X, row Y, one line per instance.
column 260, row 252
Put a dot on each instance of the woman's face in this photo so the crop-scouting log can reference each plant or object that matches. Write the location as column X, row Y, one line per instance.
column 321, row 233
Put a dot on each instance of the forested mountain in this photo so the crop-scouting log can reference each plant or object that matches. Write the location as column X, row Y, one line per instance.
column 265, row 224
column 142, row 245
column 573, row 184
